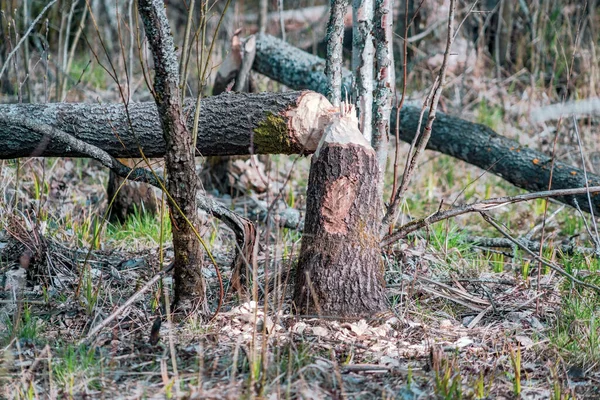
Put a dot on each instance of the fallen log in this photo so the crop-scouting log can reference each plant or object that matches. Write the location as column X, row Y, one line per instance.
column 473, row 143
column 230, row 124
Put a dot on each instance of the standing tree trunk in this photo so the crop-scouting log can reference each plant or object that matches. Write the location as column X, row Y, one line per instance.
column 340, row 270
column 335, row 46
column 362, row 62
column 182, row 181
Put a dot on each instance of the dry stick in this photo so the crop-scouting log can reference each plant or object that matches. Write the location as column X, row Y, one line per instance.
column 129, row 301
column 400, row 104
column 550, row 265
column 394, row 209
column 485, row 205
column 25, row 36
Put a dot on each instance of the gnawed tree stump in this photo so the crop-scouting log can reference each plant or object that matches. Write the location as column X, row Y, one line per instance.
column 340, row 270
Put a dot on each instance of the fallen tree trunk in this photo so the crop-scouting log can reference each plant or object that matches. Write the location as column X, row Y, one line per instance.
column 230, row 124
column 473, row 143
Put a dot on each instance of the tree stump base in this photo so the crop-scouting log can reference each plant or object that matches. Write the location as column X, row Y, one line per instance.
column 340, row 269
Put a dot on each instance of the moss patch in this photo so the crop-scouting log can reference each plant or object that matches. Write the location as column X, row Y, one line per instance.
column 271, row 136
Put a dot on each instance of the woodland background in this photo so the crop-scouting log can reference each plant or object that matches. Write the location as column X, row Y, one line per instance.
column 471, row 315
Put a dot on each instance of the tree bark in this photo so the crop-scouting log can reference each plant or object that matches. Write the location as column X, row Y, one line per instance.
column 234, row 73
column 340, row 270
column 335, row 56
column 470, row 142
column 384, row 86
column 182, row 181
column 363, row 56
column 230, row 124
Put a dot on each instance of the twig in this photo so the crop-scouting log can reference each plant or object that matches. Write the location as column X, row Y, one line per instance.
column 25, row 36
column 129, row 302
column 368, row 368
column 533, row 245
column 485, row 205
column 548, row 264
column 394, row 210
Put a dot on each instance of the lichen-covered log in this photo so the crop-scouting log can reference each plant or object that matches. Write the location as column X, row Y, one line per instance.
column 473, row 143
column 340, row 270
column 230, row 124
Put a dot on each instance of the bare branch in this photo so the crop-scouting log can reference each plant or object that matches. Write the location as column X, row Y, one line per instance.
column 485, row 205
column 394, row 209
column 537, row 257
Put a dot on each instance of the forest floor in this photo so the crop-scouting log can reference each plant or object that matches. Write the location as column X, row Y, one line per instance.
column 465, row 321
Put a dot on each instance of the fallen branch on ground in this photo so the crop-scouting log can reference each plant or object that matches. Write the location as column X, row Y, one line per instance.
column 485, row 205
column 537, row 257
column 92, row 333
column 532, row 245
